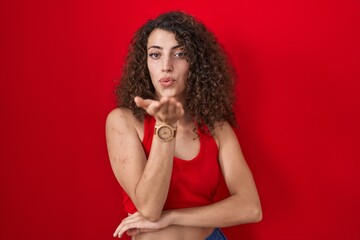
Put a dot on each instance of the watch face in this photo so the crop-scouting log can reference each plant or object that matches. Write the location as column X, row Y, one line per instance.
column 165, row 133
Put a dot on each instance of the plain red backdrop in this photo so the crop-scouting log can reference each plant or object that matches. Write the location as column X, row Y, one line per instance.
column 298, row 65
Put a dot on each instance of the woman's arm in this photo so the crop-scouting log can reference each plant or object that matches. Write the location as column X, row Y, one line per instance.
column 243, row 206
column 146, row 181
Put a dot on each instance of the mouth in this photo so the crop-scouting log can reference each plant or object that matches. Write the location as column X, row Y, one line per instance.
column 167, row 82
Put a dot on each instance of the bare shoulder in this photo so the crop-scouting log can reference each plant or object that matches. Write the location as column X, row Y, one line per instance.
column 221, row 127
column 122, row 119
column 119, row 114
column 223, row 133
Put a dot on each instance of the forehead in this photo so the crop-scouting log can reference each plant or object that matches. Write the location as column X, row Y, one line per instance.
column 161, row 38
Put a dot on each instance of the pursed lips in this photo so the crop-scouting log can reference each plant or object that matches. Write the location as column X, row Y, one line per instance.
column 166, row 82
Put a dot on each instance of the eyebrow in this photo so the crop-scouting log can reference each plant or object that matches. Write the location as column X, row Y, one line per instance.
column 158, row 47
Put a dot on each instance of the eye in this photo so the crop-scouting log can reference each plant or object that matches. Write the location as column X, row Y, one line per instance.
column 154, row 55
column 179, row 54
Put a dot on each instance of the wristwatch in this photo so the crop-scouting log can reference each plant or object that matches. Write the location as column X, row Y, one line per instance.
column 165, row 132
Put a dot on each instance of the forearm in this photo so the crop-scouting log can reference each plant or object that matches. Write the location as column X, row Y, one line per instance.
column 231, row 211
column 153, row 186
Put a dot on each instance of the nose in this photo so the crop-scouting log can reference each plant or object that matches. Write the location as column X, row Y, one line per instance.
column 167, row 65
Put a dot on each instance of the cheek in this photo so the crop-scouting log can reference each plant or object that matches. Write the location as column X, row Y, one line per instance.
column 148, row 64
column 184, row 68
column 186, row 71
column 151, row 68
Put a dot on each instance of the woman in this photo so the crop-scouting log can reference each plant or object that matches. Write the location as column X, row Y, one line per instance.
column 171, row 137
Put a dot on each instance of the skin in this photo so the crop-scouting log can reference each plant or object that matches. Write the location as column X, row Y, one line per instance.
column 146, row 181
column 166, row 59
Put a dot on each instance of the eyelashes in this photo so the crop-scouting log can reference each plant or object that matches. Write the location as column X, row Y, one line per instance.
column 158, row 55
column 154, row 55
column 179, row 54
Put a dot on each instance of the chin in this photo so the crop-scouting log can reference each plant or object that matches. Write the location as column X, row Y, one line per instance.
column 168, row 93
column 171, row 93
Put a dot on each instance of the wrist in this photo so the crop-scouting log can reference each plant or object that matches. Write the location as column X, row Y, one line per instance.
column 165, row 132
column 171, row 124
column 170, row 217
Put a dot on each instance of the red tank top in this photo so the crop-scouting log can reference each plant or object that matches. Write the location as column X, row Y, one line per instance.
column 193, row 182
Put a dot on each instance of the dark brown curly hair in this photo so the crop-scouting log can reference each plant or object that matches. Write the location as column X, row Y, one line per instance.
column 209, row 90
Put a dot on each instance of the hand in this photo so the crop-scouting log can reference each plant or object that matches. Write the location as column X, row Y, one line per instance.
column 136, row 224
column 167, row 110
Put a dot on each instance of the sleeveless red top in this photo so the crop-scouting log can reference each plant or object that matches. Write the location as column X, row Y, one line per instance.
column 193, row 182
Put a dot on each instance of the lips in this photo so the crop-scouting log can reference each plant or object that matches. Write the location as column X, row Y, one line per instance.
column 167, row 82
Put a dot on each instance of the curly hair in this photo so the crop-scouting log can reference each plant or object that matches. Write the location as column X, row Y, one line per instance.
column 209, row 91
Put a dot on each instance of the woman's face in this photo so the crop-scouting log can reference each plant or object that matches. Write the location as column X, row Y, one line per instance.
column 167, row 64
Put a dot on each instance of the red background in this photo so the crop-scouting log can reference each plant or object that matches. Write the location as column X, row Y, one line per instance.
column 298, row 109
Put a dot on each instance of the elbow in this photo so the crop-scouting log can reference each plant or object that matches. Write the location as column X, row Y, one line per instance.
column 148, row 209
column 255, row 214
column 250, row 214
column 149, row 214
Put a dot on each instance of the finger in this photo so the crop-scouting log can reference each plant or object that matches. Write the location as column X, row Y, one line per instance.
column 172, row 107
column 117, row 230
column 130, row 219
column 126, row 227
column 143, row 103
column 138, row 101
column 153, row 108
column 135, row 214
column 179, row 110
column 132, row 222
column 164, row 99
column 164, row 108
